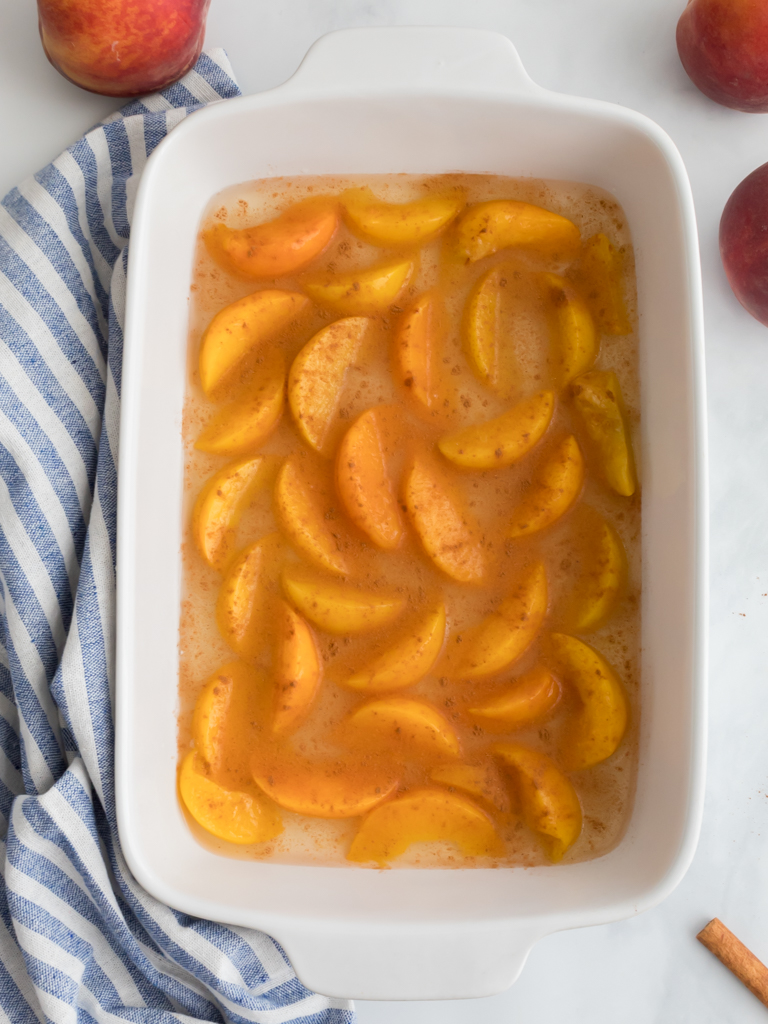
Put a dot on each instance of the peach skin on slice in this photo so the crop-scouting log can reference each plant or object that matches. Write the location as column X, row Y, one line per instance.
column 417, row 339
column 601, row 580
column 597, row 396
column 548, row 801
column 392, row 722
column 325, row 789
column 364, row 484
column 425, row 816
column 597, row 729
column 339, row 607
column 407, row 661
column 527, row 701
column 599, row 272
column 301, row 516
column 298, row 671
column 361, row 292
column 555, row 487
column 230, row 815
column 445, row 529
column 240, row 329
column 244, row 597
column 395, row 224
column 219, row 504
column 479, row 781
column 317, row 376
column 278, row 247
column 503, row 440
column 574, row 339
column 486, row 228
column 243, row 425
column 482, row 331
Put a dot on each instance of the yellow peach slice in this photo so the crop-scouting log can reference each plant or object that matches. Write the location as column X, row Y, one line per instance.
column 245, row 424
column 298, row 671
column 548, row 801
column 230, row 815
column 338, row 607
column 390, row 224
column 240, row 329
column 555, row 487
column 504, row 635
column 281, row 246
column 483, row 342
column 417, row 340
column 407, row 661
column 597, row 396
column 317, row 376
column 527, row 701
column 301, row 516
column 479, row 781
column 599, row 273
column 392, row 722
column 209, row 716
column 600, row 582
column 327, row 789
column 243, row 602
column 449, row 536
column 597, row 729
column 574, row 339
column 425, row 816
column 486, row 228
column 503, row 440
column 362, row 292
column 220, row 503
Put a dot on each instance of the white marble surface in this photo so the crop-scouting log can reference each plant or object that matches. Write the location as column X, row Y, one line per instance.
column 649, row 969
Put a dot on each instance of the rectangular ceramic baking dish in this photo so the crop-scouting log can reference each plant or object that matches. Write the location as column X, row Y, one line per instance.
column 421, row 101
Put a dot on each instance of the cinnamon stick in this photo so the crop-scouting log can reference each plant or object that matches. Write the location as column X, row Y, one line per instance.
column 737, row 958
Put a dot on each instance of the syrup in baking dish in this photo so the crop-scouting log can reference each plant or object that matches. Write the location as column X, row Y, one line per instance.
column 410, row 623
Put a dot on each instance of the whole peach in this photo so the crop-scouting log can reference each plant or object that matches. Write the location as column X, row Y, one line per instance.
column 723, row 45
column 744, row 243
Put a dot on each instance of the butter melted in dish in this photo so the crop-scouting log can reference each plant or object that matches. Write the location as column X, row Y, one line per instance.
column 410, row 620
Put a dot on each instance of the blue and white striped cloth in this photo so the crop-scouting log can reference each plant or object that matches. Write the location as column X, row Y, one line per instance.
column 80, row 941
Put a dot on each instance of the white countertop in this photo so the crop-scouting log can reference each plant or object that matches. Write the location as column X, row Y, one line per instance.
column 649, row 969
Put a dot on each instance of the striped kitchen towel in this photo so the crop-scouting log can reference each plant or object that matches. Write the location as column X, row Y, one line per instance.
column 80, row 941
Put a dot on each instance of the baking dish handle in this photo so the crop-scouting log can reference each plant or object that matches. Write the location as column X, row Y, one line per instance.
column 369, row 60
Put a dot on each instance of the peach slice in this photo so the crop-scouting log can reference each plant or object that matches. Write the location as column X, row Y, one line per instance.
column 599, row 273
column 486, row 228
column 338, row 607
column 302, row 519
column 298, row 671
column 243, row 602
column 281, row 246
column 364, row 484
column 425, row 816
column 417, row 340
column 503, row 440
column 210, row 714
column 504, row 635
column 450, row 537
column 574, row 339
column 220, row 503
column 362, row 292
column 555, row 487
column 245, row 424
column 390, row 224
column 597, row 729
column 317, row 376
column 602, row 579
column 326, row 789
column 391, row 722
column 479, row 781
column 407, row 661
column 597, row 396
column 527, row 701
column 240, row 329
column 482, row 331
column 230, row 815
column 548, row 801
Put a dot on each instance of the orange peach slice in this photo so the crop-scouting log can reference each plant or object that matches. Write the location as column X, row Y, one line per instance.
column 298, row 671
column 574, row 339
column 246, row 423
column 450, row 537
column 209, row 716
column 479, row 781
column 483, row 342
column 486, row 228
column 548, row 801
column 595, row 591
column 526, row 702
column 425, row 816
column 338, row 607
column 220, row 503
column 401, row 721
column 230, row 815
column 600, row 275
column 503, row 440
column 597, row 396
column 364, row 485
column 243, row 600
column 555, row 487
column 362, row 292
column 317, row 376
column 417, row 340
column 302, row 518
column 597, row 729
column 390, row 224
column 406, row 662
column 240, row 329
column 330, row 789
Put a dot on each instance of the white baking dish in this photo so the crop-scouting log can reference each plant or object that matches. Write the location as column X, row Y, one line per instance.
column 421, row 101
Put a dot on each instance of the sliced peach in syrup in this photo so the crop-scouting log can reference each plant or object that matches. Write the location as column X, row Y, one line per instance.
column 407, row 661
column 362, row 292
column 324, row 789
column 597, row 396
column 425, row 816
column 446, row 530
column 527, row 701
column 574, row 339
column 599, row 272
column 245, row 424
column 298, row 671
column 210, row 715
column 338, row 607
column 597, row 587
column 555, row 487
column 548, row 801
column 317, row 376
column 364, row 484
column 244, row 597
column 414, row 726
column 240, row 329
column 418, row 349
column 301, row 516
column 397, row 223
column 483, row 342
column 486, row 228
column 220, row 503
column 227, row 814
column 503, row 440
column 597, row 729
column 479, row 781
